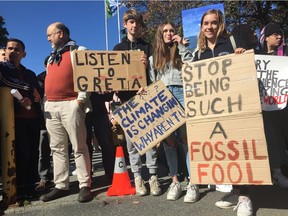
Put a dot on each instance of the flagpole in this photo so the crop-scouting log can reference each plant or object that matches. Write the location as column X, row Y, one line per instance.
column 118, row 16
column 106, row 25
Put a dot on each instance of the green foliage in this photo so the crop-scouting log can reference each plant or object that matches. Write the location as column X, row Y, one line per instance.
column 3, row 33
column 256, row 13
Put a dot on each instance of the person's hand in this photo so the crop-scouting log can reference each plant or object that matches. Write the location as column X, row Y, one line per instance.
column 104, row 92
column 25, row 102
column 239, row 50
column 143, row 59
column 36, row 95
column 177, row 39
column 185, row 42
column 141, row 92
column 81, row 104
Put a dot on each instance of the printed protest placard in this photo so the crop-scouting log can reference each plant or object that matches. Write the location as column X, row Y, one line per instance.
column 272, row 72
column 150, row 118
column 226, row 138
column 96, row 71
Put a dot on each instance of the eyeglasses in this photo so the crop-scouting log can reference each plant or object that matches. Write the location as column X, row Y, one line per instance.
column 50, row 35
column 168, row 30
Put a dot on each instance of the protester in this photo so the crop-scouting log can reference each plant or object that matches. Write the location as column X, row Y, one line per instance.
column 132, row 22
column 97, row 122
column 275, row 122
column 27, row 122
column 249, row 40
column 214, row 41
column 64, row 112
column 165, row 64
column 44, row 163
column 2, row 55
column 247, row 36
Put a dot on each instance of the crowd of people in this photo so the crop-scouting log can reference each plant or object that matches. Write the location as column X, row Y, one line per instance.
column 59, row 116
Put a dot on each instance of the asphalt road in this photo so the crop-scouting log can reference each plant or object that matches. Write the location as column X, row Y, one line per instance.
column 267, row 201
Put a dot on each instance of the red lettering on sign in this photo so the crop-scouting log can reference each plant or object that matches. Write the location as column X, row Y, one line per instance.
column 200, row 173
column 250, row 175
column 210, row 151
column 229, row 167
column 256, row 157
column 219, row 167
column 192, row 149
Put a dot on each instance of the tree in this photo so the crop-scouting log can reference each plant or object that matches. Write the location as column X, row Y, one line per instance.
column 3, row 33
column 256, row 13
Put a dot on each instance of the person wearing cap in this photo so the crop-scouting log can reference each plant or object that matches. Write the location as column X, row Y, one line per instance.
column 275, row 122
column 271, row 39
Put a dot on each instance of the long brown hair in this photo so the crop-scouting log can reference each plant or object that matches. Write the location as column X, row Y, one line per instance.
column 164, row 53
column 202, row 41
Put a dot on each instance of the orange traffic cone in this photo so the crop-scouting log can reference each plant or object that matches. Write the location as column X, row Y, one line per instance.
column 121, row 182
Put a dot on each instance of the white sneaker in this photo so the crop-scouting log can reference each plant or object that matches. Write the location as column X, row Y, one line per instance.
column 244, row 206
column 140, row 186
column 228, row 201
column 155, row 189
column 224, row 188
column 192, row 194
column 174, row 191
column 279, row 179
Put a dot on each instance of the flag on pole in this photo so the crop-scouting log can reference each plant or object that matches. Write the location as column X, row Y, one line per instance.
column 112, row 7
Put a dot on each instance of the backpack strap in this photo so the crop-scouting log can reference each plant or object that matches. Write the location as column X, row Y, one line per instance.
column 199, row 54
column 232, row 40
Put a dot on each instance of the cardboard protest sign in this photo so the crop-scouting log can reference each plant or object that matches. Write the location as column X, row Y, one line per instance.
column 225, row 131
column 150, row 118
column 272, row 72
column 96, row 71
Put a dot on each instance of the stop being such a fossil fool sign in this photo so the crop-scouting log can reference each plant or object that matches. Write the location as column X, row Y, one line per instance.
column 226, row 138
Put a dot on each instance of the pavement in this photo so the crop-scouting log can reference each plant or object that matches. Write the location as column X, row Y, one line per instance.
column 267, row 200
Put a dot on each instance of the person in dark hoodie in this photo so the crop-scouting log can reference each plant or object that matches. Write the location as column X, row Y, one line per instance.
column 27, row 120
column 132, row 22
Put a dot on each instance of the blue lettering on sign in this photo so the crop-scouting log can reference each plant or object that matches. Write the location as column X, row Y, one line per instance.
column 158, row 130
column 148, row 118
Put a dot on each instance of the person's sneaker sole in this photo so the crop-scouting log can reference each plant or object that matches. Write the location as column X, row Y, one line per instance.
column 224, row 205
column 173, row 198
column 190, row 201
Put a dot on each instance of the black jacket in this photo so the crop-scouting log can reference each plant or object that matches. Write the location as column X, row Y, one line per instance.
column 223, row 47
column 9, row 77
column 139, row 44
column 98, row 102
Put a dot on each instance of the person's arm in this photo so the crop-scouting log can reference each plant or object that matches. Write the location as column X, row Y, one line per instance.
column 83, row 97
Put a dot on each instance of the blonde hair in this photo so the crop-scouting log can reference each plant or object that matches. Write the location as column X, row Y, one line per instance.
column 202, row 41
column 164, row 53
